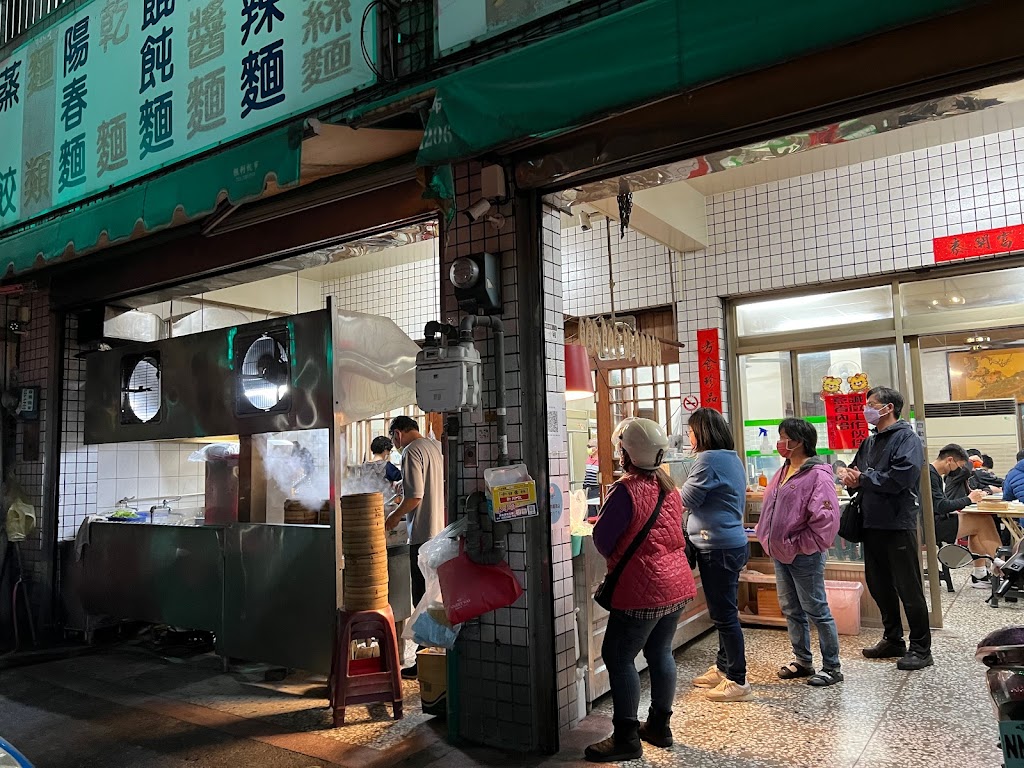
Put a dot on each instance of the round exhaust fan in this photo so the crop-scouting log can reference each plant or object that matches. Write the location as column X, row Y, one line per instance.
column 265, row 373
column 141, row 391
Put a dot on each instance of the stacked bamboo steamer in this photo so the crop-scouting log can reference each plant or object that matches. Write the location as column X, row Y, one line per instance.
column 366, row 557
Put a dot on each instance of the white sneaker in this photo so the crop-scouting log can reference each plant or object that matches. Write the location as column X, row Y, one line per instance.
column 728, row 690
column 710, row 679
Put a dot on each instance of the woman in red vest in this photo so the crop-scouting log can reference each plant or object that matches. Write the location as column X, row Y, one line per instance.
column 654, row 585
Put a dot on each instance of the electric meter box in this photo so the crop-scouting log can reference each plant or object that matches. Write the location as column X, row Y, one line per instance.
column 448, row 379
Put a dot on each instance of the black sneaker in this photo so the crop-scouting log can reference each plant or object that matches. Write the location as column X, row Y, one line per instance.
column 886, row 649
column 410, row 673
column 915, row 661
column 983, row 583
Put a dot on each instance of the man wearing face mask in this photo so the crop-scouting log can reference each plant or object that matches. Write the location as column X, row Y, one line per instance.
column 952, row 458
column 887, row 473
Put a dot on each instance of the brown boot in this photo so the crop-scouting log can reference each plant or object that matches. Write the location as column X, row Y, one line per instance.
column 656, row 731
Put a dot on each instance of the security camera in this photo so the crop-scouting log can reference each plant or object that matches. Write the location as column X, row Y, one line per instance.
column 585, row 223
column 478, row 210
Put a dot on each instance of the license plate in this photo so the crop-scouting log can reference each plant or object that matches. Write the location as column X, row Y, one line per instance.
column 1011, row 736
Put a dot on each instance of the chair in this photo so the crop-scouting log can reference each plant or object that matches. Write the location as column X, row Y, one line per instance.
column 365, row 681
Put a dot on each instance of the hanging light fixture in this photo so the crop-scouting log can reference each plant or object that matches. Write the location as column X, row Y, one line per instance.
column 578, row 381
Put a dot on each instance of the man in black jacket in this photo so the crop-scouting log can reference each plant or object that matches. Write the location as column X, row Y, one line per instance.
column 951, row 459
column 887, row 472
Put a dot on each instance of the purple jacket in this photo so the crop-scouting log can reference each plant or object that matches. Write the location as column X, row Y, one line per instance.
column 802, row 516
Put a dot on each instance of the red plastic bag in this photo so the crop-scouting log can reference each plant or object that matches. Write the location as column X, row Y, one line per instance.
column 470, row 590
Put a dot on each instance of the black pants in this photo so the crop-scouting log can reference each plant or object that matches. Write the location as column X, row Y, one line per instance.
column 892, row 567
column 419, row 584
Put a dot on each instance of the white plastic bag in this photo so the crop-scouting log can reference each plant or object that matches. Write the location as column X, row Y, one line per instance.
column 578, row 510
column 427, row 625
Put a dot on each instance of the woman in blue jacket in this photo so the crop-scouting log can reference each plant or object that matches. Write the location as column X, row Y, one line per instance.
column 714, row 496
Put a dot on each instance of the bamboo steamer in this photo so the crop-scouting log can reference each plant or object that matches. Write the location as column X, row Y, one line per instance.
column 298, row 513
column 364, row 544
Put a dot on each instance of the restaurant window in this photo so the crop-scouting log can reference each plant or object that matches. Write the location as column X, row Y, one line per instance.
column 359, row 435
column 651, row 392
column 796, row 314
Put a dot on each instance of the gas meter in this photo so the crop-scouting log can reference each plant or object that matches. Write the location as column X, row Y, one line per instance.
column 448, row 379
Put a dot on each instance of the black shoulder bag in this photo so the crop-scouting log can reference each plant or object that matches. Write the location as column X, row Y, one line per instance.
column 603, row 596
column 851, row 523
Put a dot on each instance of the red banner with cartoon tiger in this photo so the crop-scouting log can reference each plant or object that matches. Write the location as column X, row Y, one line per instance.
column 844, row 416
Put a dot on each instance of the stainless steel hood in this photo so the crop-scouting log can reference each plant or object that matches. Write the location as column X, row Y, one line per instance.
column 309, row 371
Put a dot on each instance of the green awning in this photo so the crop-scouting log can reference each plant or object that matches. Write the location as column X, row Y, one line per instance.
column 650, row 51
column 237, row 174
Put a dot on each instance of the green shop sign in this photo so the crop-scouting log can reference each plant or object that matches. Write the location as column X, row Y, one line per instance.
column 122, row 88
column 460, row 22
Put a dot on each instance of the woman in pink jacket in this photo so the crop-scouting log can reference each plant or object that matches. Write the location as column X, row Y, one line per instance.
column 798, row 524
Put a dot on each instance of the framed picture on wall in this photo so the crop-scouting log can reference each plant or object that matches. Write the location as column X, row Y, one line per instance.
column 987, row 374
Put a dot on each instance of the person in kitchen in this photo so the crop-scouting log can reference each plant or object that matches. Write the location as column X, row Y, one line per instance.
column 798, row 524
column 380, row 471
column 655, row 584
column 422, row 498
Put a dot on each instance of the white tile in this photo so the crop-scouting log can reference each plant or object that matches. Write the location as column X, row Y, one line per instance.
column 149, row 488
column 149, row 461
column 128, row 464
column 106, row 464
column 190, row 485
column 169, row 487
column 169, row 463
column 106, row 493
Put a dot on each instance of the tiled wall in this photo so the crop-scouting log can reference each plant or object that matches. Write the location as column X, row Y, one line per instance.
column 558, row 468
column 863, row 220
column 407, row 293
column 495, row 698
column 78, row 461
column 641, row 268
column 149, row 472
column 33, row 365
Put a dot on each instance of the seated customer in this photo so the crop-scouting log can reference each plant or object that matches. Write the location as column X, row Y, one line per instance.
column 1013, row 484
column 979, row 529
column 983, row 476
column 951, row 458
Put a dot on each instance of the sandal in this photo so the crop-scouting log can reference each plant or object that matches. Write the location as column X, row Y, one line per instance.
column 825, row 678
column 794, row 670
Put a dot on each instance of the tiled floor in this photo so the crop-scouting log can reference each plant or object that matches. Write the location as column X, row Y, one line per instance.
column 124, row 708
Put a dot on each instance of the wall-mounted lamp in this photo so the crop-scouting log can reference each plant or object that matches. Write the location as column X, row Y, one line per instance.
column 579, row 382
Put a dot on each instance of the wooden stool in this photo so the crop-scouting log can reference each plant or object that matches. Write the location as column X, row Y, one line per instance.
column 365, row 681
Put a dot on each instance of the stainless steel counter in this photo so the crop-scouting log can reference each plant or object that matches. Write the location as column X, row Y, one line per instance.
column 266, row 591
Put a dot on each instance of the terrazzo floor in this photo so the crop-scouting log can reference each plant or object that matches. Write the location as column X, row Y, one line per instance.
column 123, row 707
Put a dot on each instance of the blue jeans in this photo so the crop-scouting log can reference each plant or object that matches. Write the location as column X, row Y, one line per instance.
column 802, row 596
column 720, row 577
column 624, row 638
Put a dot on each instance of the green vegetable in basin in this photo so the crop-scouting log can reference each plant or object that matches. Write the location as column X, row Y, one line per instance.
column 125, row 514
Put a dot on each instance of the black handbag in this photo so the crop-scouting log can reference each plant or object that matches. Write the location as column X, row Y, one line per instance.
column 851, row 523
column 603, row 595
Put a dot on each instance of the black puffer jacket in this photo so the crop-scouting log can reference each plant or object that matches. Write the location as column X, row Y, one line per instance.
column 890, row 463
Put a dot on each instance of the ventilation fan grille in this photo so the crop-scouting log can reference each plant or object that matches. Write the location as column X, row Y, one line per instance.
column 264, row 373
column 1000, row 407
column 142, row 390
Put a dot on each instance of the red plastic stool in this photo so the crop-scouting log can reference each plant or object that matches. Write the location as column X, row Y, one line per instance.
column 365, row 681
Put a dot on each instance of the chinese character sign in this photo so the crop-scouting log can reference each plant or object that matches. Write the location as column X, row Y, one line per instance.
column 987, row 243
column 844, row 415
column 710, row 369
column 122, row 88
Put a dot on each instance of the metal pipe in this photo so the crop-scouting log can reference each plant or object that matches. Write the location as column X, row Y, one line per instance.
column 452, row 428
